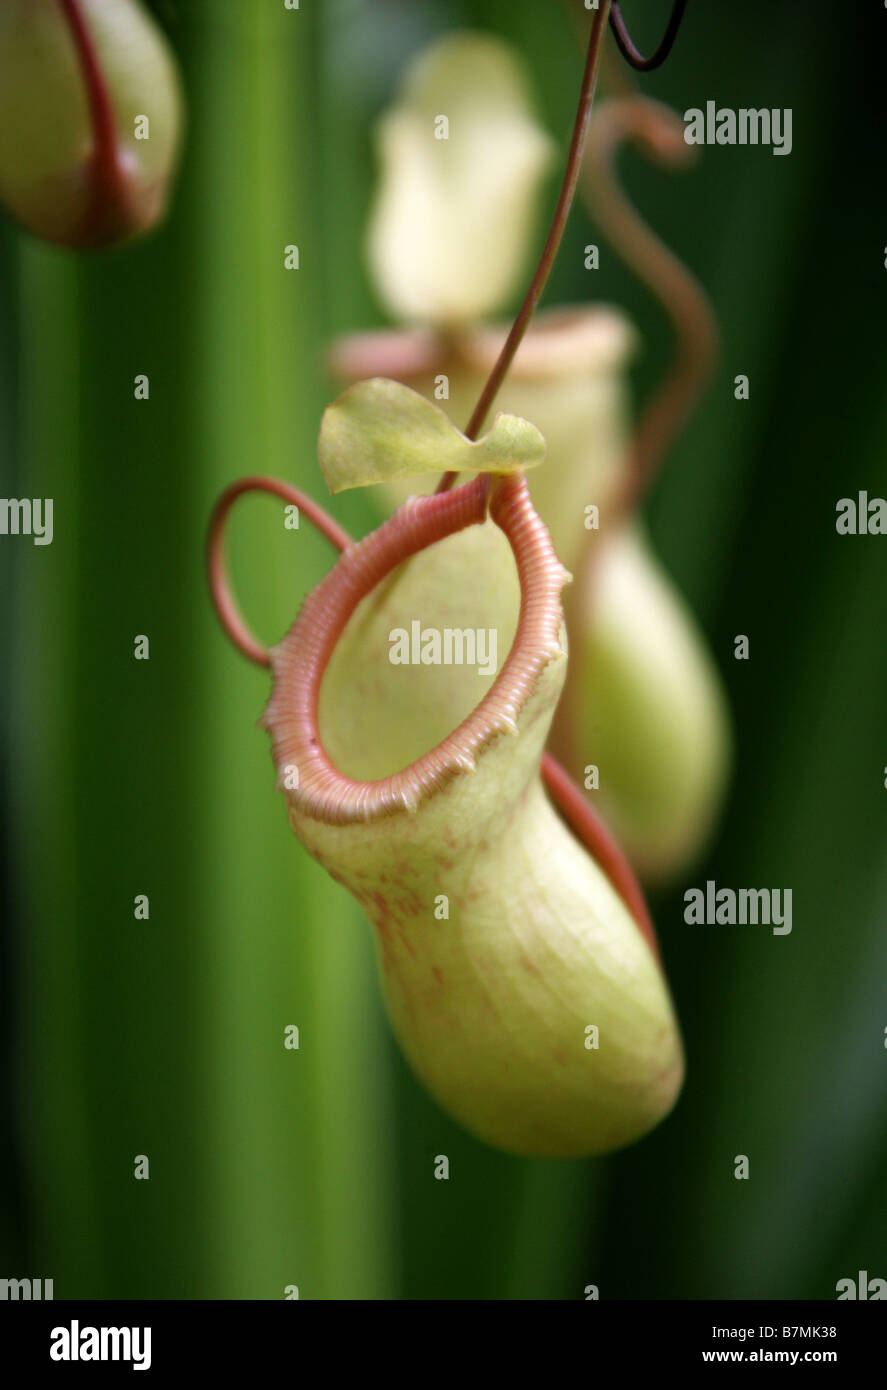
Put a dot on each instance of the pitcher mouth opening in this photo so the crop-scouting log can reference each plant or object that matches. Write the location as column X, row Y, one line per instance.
column 298, row 662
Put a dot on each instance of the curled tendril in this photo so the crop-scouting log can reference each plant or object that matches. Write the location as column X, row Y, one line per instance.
column 631, row 53
column 658, row 132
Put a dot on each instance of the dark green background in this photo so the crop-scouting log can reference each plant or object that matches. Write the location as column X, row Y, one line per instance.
column 121, row 777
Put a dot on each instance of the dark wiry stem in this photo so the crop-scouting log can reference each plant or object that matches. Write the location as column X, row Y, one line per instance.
column 631, row 53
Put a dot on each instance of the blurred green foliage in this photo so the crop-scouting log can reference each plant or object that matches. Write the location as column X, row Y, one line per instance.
column 165, row 1038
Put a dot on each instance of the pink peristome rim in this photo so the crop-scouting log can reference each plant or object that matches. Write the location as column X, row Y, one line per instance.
column 299, row 661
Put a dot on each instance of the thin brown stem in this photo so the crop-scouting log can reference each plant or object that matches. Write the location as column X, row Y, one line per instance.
column 552, row 241
column 616, row 78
